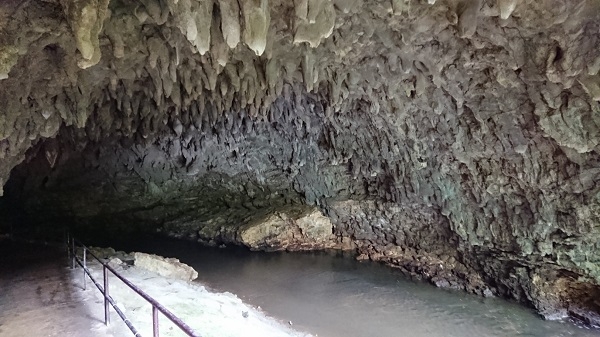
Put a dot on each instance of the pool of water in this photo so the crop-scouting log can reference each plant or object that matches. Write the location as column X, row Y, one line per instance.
column 332, row 295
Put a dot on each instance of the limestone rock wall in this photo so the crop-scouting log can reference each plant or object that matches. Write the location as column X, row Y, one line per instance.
column 454, row 139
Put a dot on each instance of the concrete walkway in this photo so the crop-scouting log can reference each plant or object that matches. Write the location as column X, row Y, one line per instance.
column 41, row 296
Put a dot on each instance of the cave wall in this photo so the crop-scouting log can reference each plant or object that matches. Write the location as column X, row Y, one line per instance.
column 456, row 140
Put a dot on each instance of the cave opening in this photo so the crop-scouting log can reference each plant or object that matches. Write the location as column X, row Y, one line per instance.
column 357, row 167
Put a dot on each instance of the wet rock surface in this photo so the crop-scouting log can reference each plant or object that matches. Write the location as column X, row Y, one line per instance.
column 456, row 140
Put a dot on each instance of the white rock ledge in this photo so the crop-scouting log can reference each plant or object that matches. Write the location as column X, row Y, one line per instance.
column 167, row 267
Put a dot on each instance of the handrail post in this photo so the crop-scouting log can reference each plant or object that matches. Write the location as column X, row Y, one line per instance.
column 154, row 321
column 67, row 245
column 73, row 254
column 106, row 294
column 84, row 266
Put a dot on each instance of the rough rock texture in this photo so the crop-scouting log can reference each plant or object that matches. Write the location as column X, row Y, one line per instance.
column 294, row 229
column 167, row 267
column 455, row 139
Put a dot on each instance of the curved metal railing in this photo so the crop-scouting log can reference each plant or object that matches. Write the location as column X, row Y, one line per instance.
column 72, row 244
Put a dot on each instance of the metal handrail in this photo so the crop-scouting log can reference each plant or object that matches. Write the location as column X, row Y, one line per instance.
column 156, row 307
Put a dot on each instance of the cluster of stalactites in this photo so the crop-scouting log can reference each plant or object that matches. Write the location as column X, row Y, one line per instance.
column 157, row 77
column 236, row 21
column 226, row 23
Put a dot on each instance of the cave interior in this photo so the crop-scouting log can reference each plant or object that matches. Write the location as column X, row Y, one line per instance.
column 455, row 140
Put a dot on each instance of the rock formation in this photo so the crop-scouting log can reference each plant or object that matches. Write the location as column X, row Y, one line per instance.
column 454, row 139
column 167, row 267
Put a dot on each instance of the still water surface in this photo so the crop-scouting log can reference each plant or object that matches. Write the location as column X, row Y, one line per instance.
column 335, row 296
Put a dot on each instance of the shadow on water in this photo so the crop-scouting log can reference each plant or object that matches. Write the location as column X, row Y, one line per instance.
column 331, row 294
